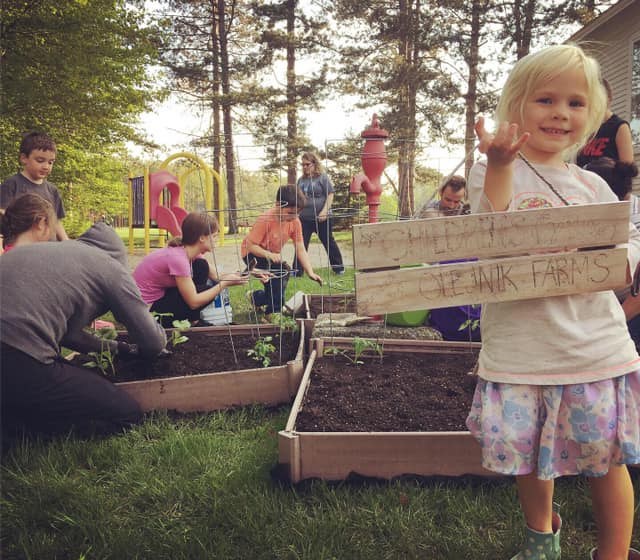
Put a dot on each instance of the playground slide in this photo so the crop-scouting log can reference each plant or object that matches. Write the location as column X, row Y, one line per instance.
column 167, row 219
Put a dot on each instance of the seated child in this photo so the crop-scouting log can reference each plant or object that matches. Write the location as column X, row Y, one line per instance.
column 174, row 279
column 264, row 244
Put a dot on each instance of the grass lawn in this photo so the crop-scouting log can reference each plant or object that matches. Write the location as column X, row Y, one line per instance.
column 200, row 488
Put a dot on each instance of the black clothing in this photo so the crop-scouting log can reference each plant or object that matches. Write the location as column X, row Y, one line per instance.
column 603, row 144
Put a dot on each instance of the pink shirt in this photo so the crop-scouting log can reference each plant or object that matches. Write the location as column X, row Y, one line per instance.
column 158, row 271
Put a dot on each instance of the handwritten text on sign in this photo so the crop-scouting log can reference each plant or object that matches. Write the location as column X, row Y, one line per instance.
column 484, row 235
column 491, row 280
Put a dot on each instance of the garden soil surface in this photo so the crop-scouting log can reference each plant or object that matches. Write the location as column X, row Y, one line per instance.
column 403, row 392
column 203, row 353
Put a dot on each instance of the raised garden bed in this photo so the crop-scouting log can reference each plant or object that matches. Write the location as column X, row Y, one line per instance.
column 383, row 418
column 216, row 377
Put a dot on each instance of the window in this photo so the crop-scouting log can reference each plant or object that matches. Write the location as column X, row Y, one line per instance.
column 635, row 93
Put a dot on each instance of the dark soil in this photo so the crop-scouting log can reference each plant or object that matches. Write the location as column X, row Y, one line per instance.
column 202, row 353
column 403, row 393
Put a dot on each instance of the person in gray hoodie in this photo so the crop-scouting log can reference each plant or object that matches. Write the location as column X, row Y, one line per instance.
column 49, row 293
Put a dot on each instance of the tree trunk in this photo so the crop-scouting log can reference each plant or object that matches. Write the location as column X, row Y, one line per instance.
column 406, row 150
column 524, row 13
column 215, row 96
column 292, row 116
column 226, row 119
column 472, row 84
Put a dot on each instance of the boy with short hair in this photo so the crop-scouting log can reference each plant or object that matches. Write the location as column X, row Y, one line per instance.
column 264, row 244
column 37, row 155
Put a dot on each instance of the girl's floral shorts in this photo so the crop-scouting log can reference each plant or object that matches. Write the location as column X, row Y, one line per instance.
column 557, row 430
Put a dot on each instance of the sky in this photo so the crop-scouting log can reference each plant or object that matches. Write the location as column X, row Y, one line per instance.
column 173, row 124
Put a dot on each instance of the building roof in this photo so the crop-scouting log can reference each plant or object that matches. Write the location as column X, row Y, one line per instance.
column 601, row 20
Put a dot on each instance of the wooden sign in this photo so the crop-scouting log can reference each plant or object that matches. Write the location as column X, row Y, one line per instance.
column 553, row 252
column 489, row 235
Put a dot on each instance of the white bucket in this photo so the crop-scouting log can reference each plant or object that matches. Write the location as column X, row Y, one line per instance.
column 218, row 312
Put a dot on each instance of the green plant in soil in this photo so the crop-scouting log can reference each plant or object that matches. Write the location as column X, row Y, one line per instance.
column 103, row 360
column 262, row 350
column 177, row 336
column 471, row 324
column 284, row 322
column 360, row 346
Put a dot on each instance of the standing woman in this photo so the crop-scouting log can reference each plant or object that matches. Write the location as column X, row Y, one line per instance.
column 174, row 279
column 315, row 218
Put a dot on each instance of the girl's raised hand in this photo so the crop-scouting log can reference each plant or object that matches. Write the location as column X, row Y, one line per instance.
column 503, row 146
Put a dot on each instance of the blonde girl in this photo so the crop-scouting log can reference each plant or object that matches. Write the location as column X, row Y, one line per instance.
column 559, row 381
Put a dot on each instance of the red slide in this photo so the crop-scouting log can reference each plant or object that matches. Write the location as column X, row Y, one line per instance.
column 166, row 219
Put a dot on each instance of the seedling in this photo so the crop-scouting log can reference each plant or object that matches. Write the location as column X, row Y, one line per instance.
column 284, row 321
column 262, row 350
column 103, row 360
column 177, row 336
column 360, row 346
column 471, row 324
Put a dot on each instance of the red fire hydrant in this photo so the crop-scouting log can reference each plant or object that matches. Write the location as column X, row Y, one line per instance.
column 374, row 160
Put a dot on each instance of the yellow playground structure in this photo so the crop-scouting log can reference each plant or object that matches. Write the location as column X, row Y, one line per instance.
column 156, row 198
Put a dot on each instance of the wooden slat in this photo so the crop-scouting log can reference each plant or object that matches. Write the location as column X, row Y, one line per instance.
column 390, row 244
column 333, row 456
column 396, row 345
column 491, row 280
column 211, row 391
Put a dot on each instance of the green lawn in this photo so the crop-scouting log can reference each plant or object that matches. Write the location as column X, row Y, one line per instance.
column 201, row 488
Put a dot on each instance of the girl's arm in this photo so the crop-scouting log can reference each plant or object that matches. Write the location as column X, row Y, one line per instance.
column 303, row 259
column 195, row 299
column 624, row 143
column 501, row 149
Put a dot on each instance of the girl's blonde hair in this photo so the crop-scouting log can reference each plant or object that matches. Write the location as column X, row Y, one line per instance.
column 536, row 69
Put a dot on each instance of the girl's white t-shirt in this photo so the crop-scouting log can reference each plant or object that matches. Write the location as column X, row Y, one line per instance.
column 557, row 340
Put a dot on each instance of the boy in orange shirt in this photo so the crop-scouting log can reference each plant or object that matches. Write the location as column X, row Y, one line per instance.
column 264, row 244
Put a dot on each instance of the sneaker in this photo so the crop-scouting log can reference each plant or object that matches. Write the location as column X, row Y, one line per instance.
column 339, row 272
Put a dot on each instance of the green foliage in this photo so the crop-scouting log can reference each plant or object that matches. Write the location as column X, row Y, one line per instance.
column 103, row 360
column 262, row 350
column 360, row 346
column 284, row 321
column 177, row 336
column 78, row 71
column 471, row 324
